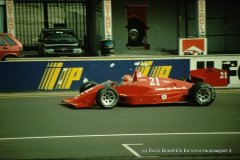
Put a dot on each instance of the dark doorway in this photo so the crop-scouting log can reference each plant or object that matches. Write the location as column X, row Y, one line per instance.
column 137, row 25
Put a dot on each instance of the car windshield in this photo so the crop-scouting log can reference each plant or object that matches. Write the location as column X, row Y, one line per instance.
column 60, row 38
column 8, row 40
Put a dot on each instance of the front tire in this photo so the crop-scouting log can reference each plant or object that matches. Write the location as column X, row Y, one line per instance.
column 107, row 98
column 202, row 94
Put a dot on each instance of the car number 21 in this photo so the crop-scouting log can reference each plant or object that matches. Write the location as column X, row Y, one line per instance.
column 154, row 81
column 223, row 75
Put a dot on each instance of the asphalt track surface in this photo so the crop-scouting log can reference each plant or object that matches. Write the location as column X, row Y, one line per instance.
column 39, row 126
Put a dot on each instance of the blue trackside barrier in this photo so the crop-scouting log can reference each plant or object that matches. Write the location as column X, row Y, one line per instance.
column 69, row 75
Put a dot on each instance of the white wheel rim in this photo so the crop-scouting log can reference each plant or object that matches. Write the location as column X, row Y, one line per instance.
column 133, row 34
column 108, row 98
column 204, row 95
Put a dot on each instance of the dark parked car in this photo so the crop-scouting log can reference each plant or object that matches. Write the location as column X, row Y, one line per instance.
column 58, row 41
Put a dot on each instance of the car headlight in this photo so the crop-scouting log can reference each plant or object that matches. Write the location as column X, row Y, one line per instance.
column 77, row 50
column 49, row 51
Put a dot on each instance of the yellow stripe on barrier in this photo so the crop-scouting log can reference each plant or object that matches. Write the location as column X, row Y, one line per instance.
column 49, row 78
column 165, row 72
column 45, row 78
column 65, row 78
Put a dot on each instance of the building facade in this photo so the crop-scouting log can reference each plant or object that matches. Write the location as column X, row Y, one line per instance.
column 136, row 24
column 169, row 20
column 2, row 16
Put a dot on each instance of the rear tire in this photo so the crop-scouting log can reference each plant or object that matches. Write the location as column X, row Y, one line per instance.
column 107, row 98
column 202, row 94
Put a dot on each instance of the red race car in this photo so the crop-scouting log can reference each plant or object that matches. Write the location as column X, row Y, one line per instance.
column 139, row 90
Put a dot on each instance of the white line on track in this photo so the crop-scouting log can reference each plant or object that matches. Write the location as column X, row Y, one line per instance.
column 131, row 150
column 121, row 135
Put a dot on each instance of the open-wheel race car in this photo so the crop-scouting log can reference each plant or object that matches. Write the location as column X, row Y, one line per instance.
column 139, row 90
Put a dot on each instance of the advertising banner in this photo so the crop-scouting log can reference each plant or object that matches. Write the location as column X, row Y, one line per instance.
column 69, row 75
column 192, row 46
column 107, row 8
column 201, row 18
column 10, row 17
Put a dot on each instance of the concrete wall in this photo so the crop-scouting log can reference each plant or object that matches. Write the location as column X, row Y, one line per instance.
column 119, row 16
column 1, row 18
column 162, row 20
column 2, row 2
column 2, row 14
column 223, row 25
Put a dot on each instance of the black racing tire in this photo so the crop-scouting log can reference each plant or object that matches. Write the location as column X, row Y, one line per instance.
column 40, row 51
column 107, row 98
column 202, row 94
column 86, row 86
column 136, row 32
column 135, row 36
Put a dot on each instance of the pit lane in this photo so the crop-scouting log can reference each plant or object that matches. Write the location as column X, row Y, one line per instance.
column 39, row 126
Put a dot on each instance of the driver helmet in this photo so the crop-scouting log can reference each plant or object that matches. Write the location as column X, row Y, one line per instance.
column 127, row 78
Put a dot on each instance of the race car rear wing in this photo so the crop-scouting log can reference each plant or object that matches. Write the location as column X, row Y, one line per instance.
column 213, row 76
